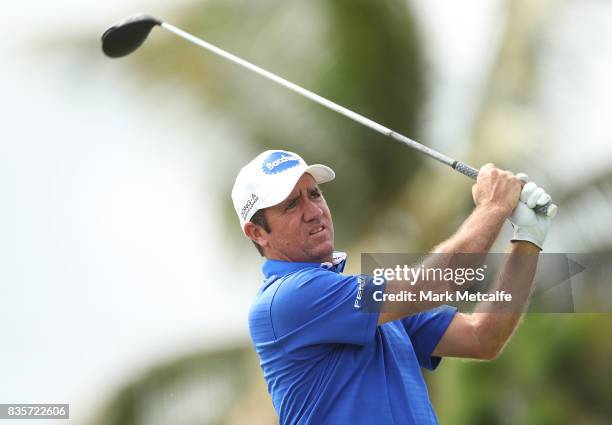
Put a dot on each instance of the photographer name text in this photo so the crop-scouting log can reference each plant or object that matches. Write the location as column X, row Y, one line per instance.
column 445, row 297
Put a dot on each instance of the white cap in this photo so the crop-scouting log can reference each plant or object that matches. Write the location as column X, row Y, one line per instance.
column 269, row 179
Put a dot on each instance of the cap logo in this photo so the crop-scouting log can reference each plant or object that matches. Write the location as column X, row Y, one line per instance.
column 248, row 206
column 278, row 162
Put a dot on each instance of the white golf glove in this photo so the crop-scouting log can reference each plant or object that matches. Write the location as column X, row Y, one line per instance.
column 529, row 226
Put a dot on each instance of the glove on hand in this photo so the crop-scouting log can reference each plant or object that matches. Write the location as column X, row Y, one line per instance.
column 529, row 226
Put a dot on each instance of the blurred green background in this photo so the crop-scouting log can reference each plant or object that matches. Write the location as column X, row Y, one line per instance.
column 127, row 280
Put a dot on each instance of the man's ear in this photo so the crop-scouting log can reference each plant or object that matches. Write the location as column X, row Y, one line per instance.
column 256, row 233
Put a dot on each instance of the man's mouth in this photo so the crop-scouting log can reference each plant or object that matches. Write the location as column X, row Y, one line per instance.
column 316, row 230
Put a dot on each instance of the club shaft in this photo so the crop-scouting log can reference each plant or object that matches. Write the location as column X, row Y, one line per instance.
column 456, row 165
column 313, row 96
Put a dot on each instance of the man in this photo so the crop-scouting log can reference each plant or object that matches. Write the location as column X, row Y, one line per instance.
column 325, row 359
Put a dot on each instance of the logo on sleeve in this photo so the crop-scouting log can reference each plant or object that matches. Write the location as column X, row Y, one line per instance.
column 279, row 161
column 362, row 284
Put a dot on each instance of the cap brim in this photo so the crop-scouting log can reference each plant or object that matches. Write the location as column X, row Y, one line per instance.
column 321, row 174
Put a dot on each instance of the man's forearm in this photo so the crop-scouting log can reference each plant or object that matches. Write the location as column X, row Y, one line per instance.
column 477, row 233
column 494, row 324
column 482, row 334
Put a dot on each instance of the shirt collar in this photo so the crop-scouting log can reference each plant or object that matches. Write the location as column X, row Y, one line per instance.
column 281, row 268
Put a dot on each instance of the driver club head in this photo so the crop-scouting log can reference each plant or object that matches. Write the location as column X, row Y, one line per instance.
column 126, row 36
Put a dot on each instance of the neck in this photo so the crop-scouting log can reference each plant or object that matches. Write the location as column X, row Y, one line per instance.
column 283, row 257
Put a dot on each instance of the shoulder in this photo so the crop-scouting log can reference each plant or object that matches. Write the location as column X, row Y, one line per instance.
column 313, row 289
column 313, row 279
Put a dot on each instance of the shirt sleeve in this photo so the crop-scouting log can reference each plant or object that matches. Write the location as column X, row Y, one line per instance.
column 425, row 330
column 318, row 306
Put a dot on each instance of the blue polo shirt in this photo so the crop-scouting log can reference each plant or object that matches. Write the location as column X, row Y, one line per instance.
column 324, row 358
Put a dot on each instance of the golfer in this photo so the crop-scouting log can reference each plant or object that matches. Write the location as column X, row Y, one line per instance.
column 325, row 359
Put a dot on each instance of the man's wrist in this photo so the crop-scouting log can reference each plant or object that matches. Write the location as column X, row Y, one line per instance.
column 527, row 237
column 494, row 210
column 525, row 245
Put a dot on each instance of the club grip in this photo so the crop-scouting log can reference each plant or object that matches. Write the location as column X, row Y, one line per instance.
column 548, row 209
column 466, row 170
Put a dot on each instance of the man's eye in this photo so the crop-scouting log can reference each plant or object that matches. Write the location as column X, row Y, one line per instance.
column 316, row 194
column 292, row 204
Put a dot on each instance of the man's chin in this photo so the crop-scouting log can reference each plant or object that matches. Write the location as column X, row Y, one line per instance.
column 324, row 252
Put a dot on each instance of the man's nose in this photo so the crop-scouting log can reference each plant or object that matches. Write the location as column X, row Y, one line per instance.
column 312, row 211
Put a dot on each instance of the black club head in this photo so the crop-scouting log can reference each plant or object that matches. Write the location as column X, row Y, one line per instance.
column 126, row 36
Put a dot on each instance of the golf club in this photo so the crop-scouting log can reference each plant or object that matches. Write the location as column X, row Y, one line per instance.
column 128, row 35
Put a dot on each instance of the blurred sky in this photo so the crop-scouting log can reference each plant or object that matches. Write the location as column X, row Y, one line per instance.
column 110, row 244
column 111, row 255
